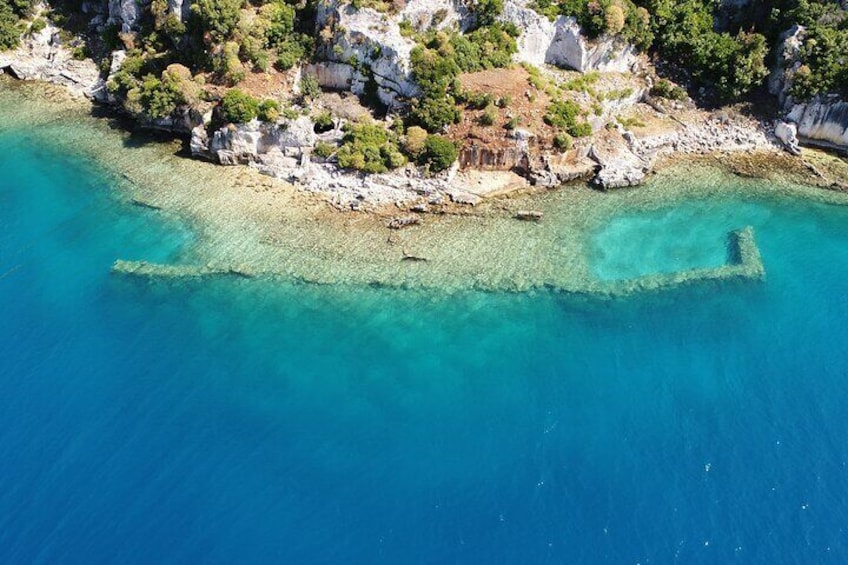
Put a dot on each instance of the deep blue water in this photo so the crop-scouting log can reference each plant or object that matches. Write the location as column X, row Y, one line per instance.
column 235, row 421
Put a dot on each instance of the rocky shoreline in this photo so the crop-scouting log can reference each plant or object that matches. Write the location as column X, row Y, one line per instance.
column 613, row 157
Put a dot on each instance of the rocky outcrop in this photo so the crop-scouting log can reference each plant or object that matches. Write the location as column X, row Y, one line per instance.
column 787, row 63
column 787, row 134
column 284, row 151
column 233, row 144
column 43, row 56
column 822, row 122
column 368, row 46
column 180, row 8
column 618, row 165
column 561, row 42
column 127, row 13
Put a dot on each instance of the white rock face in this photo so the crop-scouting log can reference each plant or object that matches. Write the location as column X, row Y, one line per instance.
column 126, row 13
column 788, row 53
column 561, row 43
column 433, row 14
column 335, row 76
column 618, row 165
column 43, row 57
column 787, row 134
column 180, row 8
column 366, row 39
column 248, row 143
column 822, row 121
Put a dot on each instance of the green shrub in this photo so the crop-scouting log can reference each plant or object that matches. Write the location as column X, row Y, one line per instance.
column 239, row 107
column 439, row 153
column 37, row 25
column 323, row 122
column 666, row 89
column 824, row 69
column 581, row 129
column 219, row 18
column 489, row 115
column 487, row 11
column 10, row 29
column 415, row 141
column 268, row 111
column 563, row 141
column 309, row 87
column 369, row 148
column 324, row 149
column 616, row 17
column 475, row 100
column 562, row 114
column 227, row 64
column 279, row 22
column 160, row 98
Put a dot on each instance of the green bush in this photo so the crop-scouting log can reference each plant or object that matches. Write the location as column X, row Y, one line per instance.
column 10, row 30
column 324, row 149
column 227, row 65
column 161, row 97
column 824, row 68
column 487, row 11
column 616, row 17
column 280, row 22
column 309, row 87
column 323, row 122
column 369, row 148
column 439, row 153
column 489, row 115
column 37, row 25
column 219, row 18
column 239, row 107
column 268, row 111
column 581, row 129
column 562, row 114
column 434, row 113
column 666, row 89
column 563, row 141
column 439, row 59
column 415, row 141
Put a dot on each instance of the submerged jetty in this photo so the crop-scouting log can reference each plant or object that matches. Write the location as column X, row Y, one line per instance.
column 744, row 262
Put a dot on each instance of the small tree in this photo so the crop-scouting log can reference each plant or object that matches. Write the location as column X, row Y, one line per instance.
column 439, row 153
column 239, row 107
column 415, row 141
column 614, row 20
column 269, row 111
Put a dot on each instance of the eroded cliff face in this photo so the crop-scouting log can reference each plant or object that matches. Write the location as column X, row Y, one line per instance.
column 367, row 45
column 289, row 142
column 44, row 56
column 821, row 121
column 561, row 43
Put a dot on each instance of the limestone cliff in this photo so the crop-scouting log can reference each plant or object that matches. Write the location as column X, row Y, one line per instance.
column 821, row 121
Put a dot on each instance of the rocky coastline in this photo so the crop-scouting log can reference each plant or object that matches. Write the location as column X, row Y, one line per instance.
column 618, row 154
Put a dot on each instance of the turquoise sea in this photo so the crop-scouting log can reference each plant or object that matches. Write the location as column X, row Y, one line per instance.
column 248, row 421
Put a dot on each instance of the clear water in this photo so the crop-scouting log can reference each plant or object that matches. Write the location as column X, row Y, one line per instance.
column 234, row 421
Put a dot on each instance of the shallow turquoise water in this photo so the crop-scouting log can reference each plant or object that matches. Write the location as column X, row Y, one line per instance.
column 235, row 421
